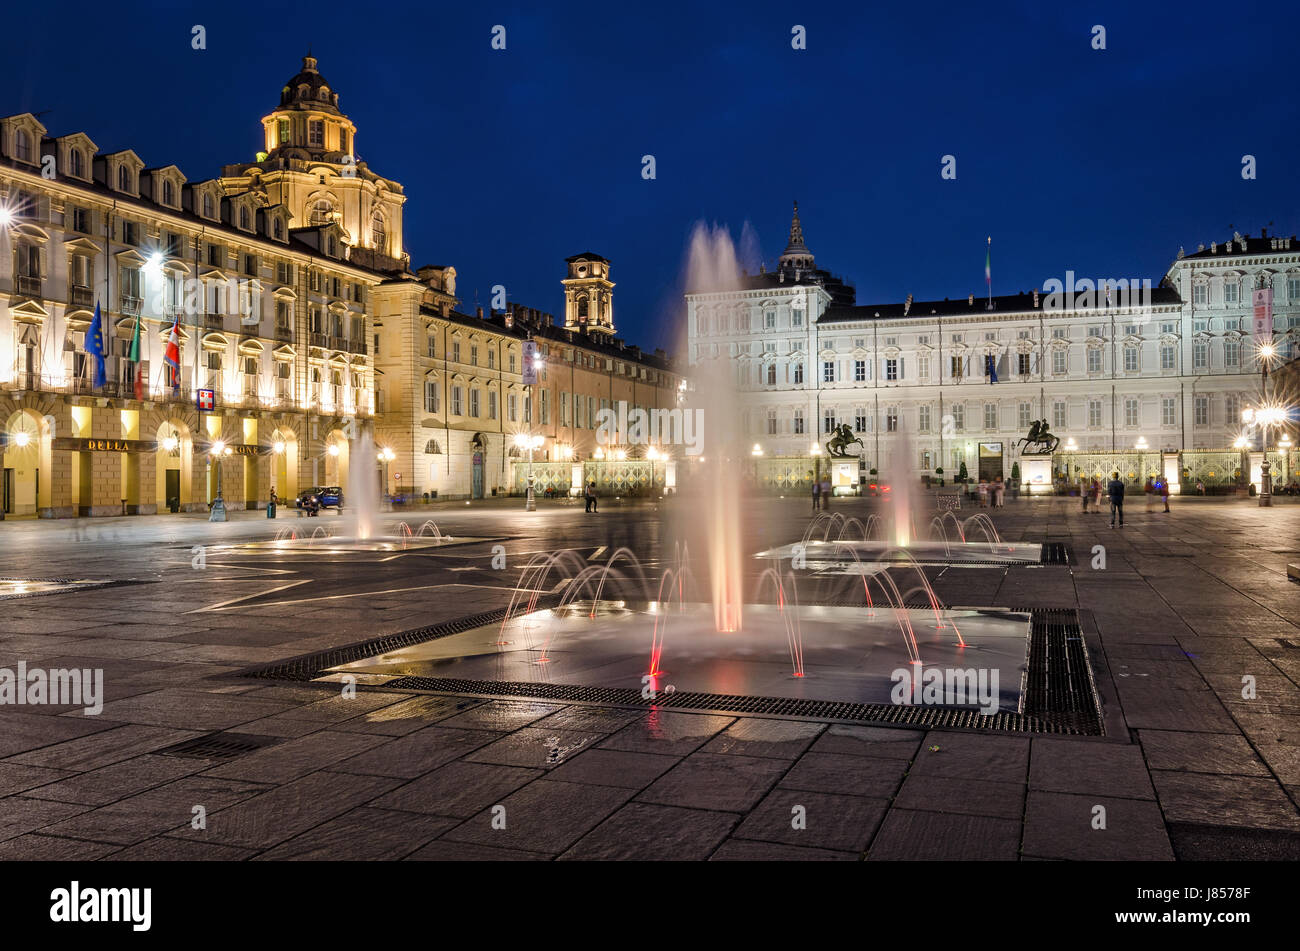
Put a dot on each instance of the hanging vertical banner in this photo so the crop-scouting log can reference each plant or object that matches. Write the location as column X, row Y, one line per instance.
column 1263, row 312
column 530, row 362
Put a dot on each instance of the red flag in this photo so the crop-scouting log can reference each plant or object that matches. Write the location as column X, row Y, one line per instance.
column 172, row 356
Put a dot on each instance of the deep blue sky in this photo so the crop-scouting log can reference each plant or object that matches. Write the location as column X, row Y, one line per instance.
column 1100, row 162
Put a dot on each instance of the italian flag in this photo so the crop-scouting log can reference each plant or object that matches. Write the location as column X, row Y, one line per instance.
column 172, row 357
column 134, row 357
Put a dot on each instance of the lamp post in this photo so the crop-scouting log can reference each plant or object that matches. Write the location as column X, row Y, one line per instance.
column 219, row 451
column 652, row 454
column 530, row 442
column 1285, row 445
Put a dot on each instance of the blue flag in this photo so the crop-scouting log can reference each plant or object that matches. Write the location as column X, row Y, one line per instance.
column 991, row 368
column 95, row 346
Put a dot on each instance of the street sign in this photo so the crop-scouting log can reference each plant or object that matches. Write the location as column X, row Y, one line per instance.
column 207, row 401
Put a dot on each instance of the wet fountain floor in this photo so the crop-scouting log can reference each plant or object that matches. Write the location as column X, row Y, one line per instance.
column 840, row 554
column 328, row 544
column 848, row 656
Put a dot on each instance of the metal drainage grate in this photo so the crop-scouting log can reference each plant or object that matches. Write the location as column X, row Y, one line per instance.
column 1057, row 553
column 219, row 746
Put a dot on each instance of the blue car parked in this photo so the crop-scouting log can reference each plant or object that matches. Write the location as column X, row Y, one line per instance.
column 324, row 496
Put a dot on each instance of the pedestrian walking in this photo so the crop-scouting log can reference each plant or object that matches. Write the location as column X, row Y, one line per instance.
column 1164, row 492
column 998, row 488
column 1200, row 487
column 1115, row 490
column 826, row 493
column 595, row 502
column 1096, row 494
column 1085, row 490
column 817, row 494
column 588, row 497
column 984, row 494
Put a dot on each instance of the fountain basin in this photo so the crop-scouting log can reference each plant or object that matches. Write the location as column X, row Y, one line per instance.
column 839, row 555
column 849, row 655
column 330, row 544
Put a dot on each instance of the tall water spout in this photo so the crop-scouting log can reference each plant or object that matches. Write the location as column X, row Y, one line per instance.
column 362, row 495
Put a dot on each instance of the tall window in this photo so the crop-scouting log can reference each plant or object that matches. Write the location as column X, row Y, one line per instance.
column 1168, row 411
column 1023, row 415
column 22, row 146
column 457, row 401
column 990, row 415
column 1094, row 414
column 473, row 403
column 1130, row 359
column 1201, row 410
column 891, row 369
column 798, row 372
column 923, row 366
column 771, row 374
column 431, row 346
column 891, row 419
column 828, row 371
column 771, row 422
column 322, row 212
column 1231, row 292
column 1200, row 355
column 316, row 132
column 860, row 420
column 828, row 421
column 1232, row 408
column 1232, row 353
column 492, row 404
column 379, row 233
column 1094, row 360
column 923, row 417
column 168, row 189
column 769, row 320
column 959, row 417
column 1166, row 357
column 1058, row 415
column 1022, row 364
column 1130, row 412
column 1058, row 361
column 1200, row 294
column 859, row 371
column 512, row 407
column 955, row 365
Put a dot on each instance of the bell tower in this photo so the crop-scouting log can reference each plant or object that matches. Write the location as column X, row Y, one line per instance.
column 588, row 295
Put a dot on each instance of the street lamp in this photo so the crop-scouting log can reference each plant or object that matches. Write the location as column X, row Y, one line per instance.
column 652, row 454
column 219, row 451
column 529, row 442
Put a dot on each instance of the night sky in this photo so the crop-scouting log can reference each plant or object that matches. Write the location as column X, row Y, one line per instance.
column 1103, row 162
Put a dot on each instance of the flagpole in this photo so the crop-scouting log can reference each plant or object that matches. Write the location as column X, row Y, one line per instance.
column 988, row 271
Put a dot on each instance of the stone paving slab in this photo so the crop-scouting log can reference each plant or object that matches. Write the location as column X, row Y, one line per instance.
column 836, row 823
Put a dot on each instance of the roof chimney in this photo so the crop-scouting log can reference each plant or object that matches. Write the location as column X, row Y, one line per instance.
column 510, row 318
column 479, row 312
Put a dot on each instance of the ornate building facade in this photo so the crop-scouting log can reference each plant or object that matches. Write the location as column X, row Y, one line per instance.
column 454, row 394
column 1168, row 368
column 297, row 321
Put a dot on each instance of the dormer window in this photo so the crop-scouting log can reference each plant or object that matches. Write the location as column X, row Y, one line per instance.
column 277, row 229
column 343, row 140
column 77, row 163
column 123, row 178
column 324, row 94
column 207, row 205
column 243, row 218
column 168, row 192
column 379, row 233
column 322, row 212
column 22, row 146
column 332, row 247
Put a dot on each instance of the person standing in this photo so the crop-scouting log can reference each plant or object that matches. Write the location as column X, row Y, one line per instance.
column 817, row 493
column 1150, row 489
column 1096, row 494
column 595, row 503
column 1085, row 490
column 587, row 497
column 1115, row 490
column 1164, row 492
column 826, row 492
column 984, row 494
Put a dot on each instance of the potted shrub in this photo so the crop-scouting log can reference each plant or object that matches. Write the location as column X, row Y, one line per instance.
column 1015, row 480
column 939, row 472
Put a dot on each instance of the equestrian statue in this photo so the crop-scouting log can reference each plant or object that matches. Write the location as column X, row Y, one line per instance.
column 838, row 444
column 1040, row 441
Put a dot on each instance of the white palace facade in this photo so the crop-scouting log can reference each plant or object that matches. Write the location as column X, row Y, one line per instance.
column 1168, row 369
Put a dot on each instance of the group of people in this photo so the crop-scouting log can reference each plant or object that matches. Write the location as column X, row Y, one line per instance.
column 589, row 494
column 992, row 493
column 821, row 492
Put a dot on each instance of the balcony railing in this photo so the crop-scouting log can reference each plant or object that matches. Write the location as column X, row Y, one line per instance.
column 214, row 321
column 357, row 345
column 29, row 285
column 283, row 333
column 131, row 306
column 319, row 340
column 81, row 296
